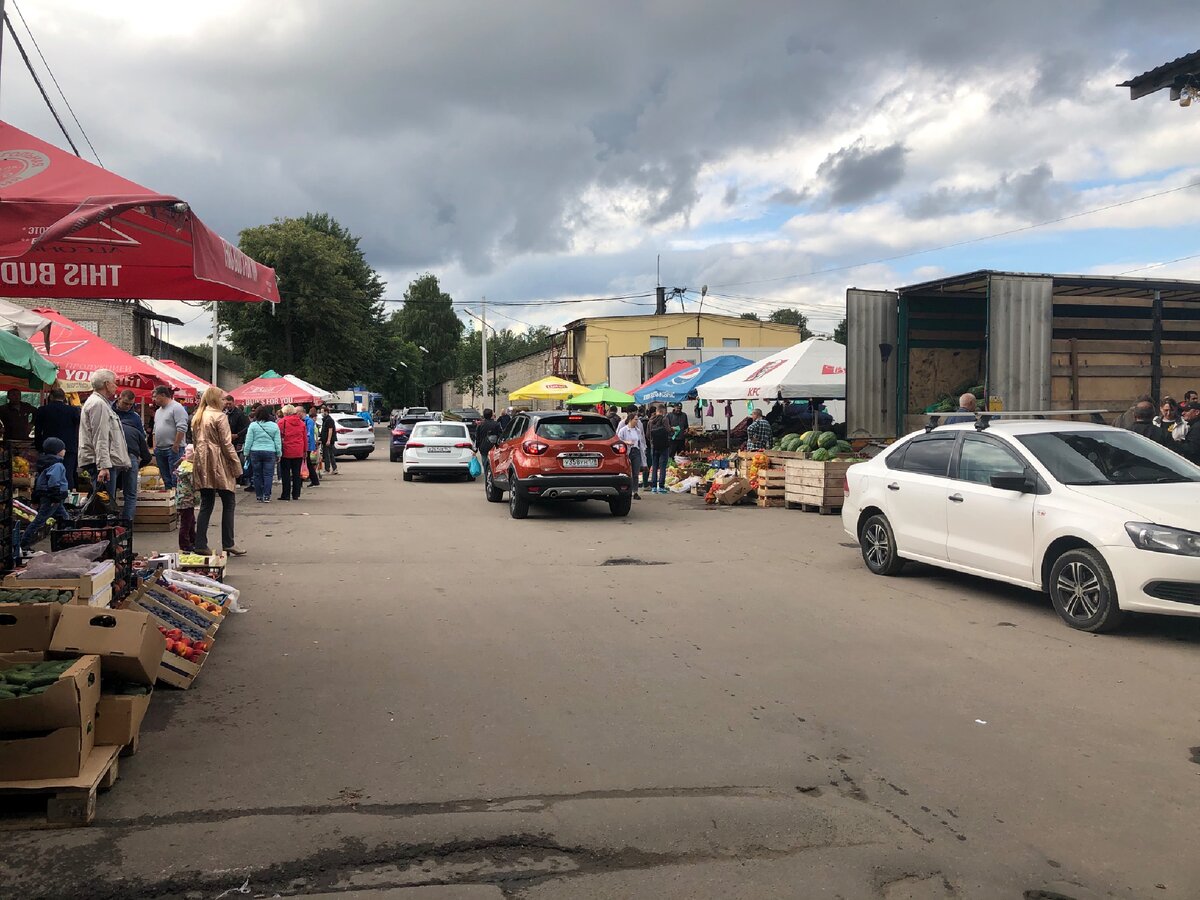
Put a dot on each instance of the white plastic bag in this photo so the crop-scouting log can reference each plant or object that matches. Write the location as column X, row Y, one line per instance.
column 221, row 594
column 686, row 485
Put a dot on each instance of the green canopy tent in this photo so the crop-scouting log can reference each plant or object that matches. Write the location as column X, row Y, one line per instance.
column 606, row 395
column 23, row 367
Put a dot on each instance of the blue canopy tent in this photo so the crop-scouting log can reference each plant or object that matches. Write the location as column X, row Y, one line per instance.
column 682, row 385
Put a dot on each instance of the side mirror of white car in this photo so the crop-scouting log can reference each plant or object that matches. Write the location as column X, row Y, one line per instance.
column 1014, row 481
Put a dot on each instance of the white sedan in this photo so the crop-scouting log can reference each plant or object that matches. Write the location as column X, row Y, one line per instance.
column 443, row 448
column 1102, row 519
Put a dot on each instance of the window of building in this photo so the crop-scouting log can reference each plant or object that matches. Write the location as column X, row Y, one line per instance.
column 695, row 342
column 731, row 342
column 658, row 342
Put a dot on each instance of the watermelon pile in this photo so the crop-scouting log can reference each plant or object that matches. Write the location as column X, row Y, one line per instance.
column 820, row 445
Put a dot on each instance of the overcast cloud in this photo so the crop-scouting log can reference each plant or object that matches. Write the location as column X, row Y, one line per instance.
column 551, row 150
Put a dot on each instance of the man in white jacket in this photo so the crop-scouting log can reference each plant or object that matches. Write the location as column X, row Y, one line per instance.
column 103, row 451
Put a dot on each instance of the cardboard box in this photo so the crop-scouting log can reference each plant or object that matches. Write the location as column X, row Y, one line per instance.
column 27, row 626
column 119, row 718
column 51, row 734
column 102, row 599
column 55, row 754
column 128, row 642
column 97, row 578
column 732, row 491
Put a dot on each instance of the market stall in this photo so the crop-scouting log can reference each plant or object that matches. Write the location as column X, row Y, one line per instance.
column 79, row 354
column 188, row 387
column 272, row 389
column 548, row 388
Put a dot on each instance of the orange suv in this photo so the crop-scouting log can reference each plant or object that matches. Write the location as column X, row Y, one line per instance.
column 557, row 455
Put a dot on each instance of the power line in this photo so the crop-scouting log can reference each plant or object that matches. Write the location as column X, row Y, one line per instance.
column 975, row 240
column 50, row 72
column 38, row 82
column 1159, row 265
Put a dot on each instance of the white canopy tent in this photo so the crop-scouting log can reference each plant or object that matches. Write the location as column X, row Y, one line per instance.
column 815, row 368
column 24, row 323
column 311, row 388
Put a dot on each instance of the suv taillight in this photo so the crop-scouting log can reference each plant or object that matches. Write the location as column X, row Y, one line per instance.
column 343, row 431
column 535, row 448
column 413, row 445
column 619, row 448
column 465, row 445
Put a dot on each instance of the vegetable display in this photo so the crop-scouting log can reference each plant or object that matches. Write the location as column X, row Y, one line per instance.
column 31, row 679
column 26, row 596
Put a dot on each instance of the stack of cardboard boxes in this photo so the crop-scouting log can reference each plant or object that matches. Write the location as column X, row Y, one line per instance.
column 95, row 586
column 95, row 705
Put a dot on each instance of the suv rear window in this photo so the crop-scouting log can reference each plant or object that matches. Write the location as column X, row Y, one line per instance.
column 352, row 422
column 575, row 428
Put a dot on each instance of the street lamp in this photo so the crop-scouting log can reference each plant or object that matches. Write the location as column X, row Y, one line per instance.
column 483, row 362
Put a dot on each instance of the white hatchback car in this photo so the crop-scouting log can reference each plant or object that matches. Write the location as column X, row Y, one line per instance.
column 443, row 448
column 352, row 436
column 1104, row 520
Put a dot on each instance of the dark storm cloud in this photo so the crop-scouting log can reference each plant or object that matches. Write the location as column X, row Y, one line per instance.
column 467, row 134
column 857, row 173
column 1033, row 195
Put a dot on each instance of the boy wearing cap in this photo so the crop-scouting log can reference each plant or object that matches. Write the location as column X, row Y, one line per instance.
column 49, row 488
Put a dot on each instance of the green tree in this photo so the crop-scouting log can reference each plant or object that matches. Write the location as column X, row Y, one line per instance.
column 226, row 358
column 752, row 316
column 428, row 320
column 325, row 329
column 839, row 333
column 790, row 316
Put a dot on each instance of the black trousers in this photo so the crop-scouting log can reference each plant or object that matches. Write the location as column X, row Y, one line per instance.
column 289, row 474
column 208, row 499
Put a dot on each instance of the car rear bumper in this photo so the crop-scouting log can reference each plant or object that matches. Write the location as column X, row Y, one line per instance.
column 1146, row 579
column 572, row 487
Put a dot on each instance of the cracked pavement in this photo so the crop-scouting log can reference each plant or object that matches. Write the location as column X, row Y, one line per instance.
column 429, row 700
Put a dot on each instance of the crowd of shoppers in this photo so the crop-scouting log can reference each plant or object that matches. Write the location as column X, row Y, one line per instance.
column 1175, row 425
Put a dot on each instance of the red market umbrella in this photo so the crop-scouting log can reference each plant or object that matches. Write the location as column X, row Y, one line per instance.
column 270, row 389
column 74, row 230
column 674, row 367
column 79, row 353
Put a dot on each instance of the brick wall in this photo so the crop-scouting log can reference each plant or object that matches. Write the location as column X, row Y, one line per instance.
column 112, row 320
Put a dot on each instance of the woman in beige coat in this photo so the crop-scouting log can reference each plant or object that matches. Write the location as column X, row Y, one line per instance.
column 215, row 469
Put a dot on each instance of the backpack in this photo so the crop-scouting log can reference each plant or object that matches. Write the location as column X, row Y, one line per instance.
column 660, row 434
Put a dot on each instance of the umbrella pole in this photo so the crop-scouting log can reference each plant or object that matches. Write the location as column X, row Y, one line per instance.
column 215, row 337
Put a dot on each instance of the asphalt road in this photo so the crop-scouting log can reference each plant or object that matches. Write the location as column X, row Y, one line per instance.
column 430, row 700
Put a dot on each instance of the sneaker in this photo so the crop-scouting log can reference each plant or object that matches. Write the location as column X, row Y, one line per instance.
column 266, row 499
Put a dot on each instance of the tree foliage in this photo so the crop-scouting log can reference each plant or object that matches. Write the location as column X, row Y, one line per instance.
column 226, row 358
column 789, row 316
column 325, row 329
column 428, row 320
column 752, row 316
column 839, row 333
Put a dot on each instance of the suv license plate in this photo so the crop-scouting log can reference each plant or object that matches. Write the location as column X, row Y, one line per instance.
column 580, row 463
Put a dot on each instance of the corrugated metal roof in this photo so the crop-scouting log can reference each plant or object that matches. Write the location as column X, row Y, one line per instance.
column 975, row 283
column 1161, row 76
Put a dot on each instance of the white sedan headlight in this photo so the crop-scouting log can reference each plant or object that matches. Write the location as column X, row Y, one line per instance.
column 1162, row 539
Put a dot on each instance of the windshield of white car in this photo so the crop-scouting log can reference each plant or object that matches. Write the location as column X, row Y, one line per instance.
column 1106, row 458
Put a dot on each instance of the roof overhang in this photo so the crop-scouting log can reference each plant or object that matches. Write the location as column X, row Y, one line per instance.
column 1176, row 75
column 974, row 285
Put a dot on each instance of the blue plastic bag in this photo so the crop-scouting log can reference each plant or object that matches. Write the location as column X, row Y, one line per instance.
column 474, row 469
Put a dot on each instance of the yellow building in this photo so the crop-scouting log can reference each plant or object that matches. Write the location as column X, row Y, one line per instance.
column 625, row 350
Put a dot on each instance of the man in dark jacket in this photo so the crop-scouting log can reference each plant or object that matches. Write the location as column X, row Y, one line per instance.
column 1143, row 422
column 58, row 419
column 328, row 441
column 1189, row 446
column 678, row 421
column 239, row 422
column 139, row 453
column 487, row 435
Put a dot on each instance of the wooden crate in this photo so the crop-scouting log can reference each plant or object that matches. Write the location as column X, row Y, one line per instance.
column 59, row 802
column 816, row 485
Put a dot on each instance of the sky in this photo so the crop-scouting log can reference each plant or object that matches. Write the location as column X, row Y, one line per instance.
column 777, row 152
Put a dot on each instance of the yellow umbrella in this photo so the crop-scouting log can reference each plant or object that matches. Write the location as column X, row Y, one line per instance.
column 548, row 388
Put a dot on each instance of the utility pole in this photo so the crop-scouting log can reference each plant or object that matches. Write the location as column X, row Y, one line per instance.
column 216, row 339
column 483, row 391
